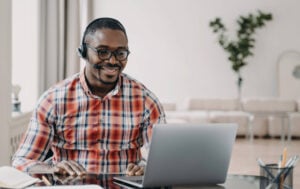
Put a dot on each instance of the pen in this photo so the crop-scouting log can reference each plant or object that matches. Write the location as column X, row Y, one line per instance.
column 46, row 181
column 284, row 154
column 283, row 164
column 293, row 163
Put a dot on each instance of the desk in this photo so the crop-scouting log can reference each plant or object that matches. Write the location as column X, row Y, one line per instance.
column 106, row 181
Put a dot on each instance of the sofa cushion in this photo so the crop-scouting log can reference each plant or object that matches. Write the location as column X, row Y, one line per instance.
column 276, row 125
column 223, row 104
column 239, row 117
column 188, row 116
column 268, row 105
column 294, row 121
column 169, row 106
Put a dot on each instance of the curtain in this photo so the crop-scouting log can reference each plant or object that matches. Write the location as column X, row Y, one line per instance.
column 61, row 27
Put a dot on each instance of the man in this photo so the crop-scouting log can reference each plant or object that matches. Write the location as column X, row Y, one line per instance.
column 97, row 120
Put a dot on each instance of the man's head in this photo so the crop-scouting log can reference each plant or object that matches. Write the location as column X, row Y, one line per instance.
column 105, row 48
column 96, row 24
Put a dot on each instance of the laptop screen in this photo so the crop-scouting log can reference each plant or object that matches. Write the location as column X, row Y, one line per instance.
column 192, row 154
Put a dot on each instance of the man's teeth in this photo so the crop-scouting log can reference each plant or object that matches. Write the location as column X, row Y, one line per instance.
column 110, row 68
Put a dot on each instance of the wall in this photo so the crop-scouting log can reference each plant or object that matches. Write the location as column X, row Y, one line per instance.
column 5, row 81
column 25, row 51
column 175, row 53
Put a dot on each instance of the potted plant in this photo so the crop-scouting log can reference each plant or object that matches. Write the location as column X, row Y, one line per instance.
column 242, row 47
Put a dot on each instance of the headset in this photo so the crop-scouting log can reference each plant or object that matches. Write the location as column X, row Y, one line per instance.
column 99, row 23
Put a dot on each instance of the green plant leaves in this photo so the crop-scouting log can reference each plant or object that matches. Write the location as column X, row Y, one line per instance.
column 241, row 48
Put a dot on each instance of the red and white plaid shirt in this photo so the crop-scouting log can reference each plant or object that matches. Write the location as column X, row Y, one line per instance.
column 102, row 134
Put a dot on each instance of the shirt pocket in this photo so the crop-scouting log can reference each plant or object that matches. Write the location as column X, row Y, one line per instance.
column 73, row 132
column 128, row 133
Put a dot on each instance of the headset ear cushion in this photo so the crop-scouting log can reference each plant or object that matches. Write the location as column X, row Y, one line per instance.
column 82, row 50
column 79, row 51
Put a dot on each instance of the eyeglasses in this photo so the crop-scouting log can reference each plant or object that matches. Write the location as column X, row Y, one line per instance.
column 105, row 54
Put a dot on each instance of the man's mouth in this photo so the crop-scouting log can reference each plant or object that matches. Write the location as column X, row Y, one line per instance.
column 110, row 68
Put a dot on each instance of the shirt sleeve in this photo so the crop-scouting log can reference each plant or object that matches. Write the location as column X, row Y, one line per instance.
column 154, row 114
column 36, row 141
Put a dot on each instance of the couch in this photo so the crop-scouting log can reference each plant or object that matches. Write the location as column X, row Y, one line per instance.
column 255, row 116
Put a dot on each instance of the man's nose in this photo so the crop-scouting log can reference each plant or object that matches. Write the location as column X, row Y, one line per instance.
column 113, row 59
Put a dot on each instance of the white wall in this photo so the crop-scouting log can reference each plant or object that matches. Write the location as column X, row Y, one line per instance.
column 25, row 51
column 5, row 82
column 175, row 53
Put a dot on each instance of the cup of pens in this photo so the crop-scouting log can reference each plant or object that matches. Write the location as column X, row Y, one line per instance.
column 277, row 175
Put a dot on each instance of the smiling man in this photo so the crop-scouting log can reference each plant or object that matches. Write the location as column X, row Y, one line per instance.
column 96, row 121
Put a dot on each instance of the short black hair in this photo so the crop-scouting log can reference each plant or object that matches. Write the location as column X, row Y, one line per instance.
column 104, row 22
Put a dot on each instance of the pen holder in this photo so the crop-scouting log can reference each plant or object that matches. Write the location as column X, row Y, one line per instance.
column 274, row 177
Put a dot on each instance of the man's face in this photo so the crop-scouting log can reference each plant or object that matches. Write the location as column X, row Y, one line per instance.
column 104, row 40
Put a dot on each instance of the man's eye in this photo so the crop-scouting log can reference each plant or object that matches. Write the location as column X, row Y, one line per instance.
column 103, row 52
column 122, row 53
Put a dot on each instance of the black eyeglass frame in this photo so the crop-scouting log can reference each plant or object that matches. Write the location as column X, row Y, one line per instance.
column 115, row 53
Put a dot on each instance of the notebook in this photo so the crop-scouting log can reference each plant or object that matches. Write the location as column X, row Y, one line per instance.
column 186, row 154
column 13, row 178
column 89, row 186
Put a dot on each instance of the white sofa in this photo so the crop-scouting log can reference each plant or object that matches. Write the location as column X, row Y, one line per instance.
column 270, row 115
column 255, row 116
column 196, row 110
column 294, row 122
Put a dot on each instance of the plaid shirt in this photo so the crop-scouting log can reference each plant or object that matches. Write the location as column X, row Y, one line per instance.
column 101, row 134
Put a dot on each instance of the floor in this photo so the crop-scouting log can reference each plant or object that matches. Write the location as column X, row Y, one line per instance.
column 245, row 153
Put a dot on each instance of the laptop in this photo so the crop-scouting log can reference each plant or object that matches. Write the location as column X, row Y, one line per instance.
column 186, row 154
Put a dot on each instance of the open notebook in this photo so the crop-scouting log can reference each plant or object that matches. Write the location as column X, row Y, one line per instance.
column 89, row 186
column 13, row 178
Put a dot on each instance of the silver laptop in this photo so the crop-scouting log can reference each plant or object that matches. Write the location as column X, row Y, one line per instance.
column 186, row 154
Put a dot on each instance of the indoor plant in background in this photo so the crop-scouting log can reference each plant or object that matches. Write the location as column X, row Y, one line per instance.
column 240, row 48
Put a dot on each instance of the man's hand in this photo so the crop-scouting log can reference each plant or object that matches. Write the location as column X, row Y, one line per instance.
column 134, row 170
column 69, row 168
column 68, row 179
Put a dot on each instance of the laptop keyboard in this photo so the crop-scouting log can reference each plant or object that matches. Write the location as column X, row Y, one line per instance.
column 137, row 179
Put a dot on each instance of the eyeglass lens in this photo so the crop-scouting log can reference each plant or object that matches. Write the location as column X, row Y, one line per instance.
column 120, row 54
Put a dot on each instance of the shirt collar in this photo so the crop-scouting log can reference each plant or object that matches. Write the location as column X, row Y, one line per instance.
column 87, row 90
